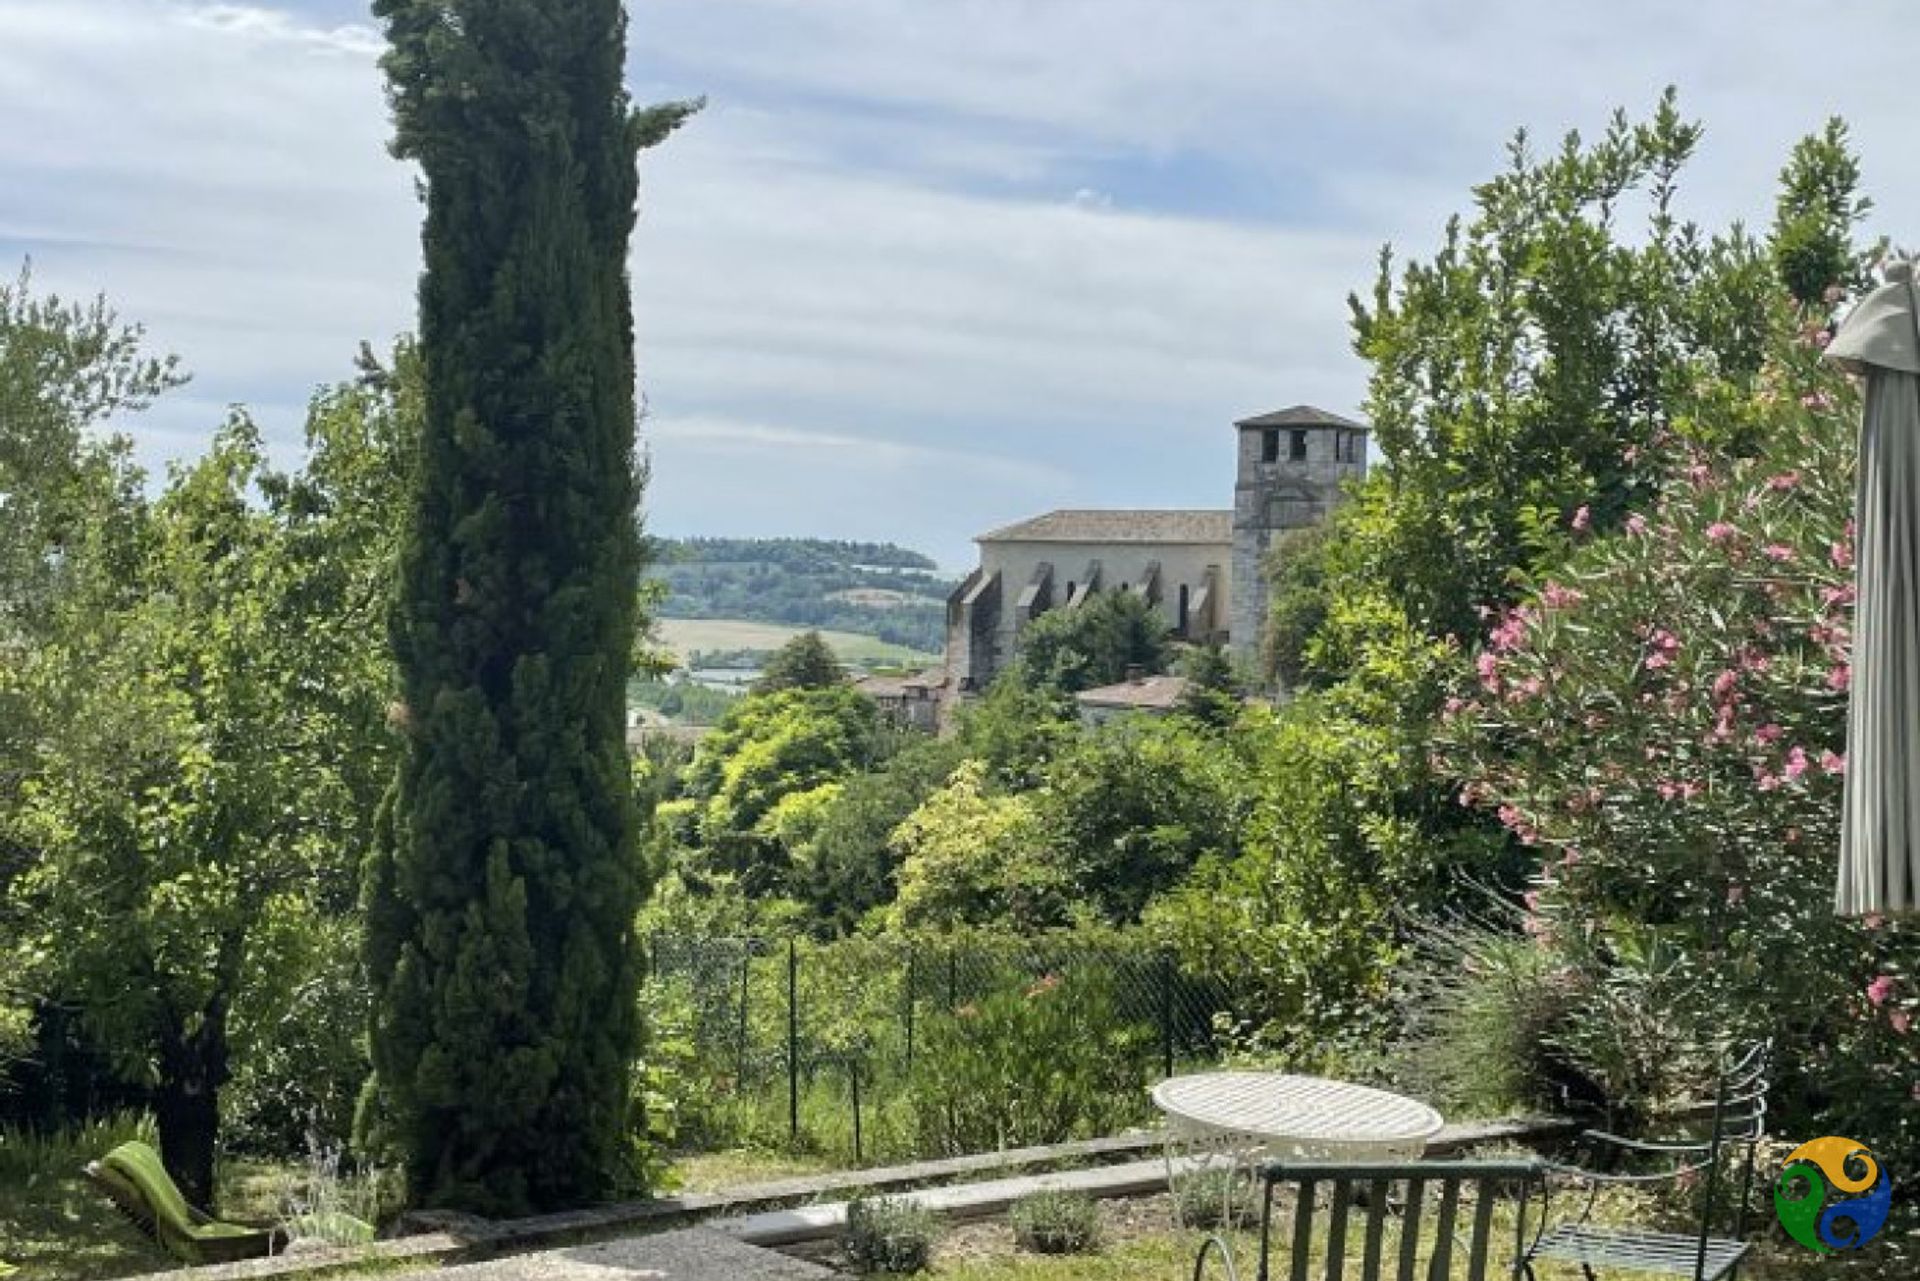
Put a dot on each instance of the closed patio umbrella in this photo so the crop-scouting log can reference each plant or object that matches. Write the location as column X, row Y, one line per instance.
column 1880, row 818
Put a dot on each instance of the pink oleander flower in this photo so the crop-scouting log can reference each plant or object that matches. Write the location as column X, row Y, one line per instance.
column 1841, row 554
column 1880, row 989
column 1636, row 524
column 1630, row 455
column 1833, row 762
column 1900, row 1021
column 1454, row 704
column 1558, row 596
column 1841, row 677
column 1768, row 733
column 1779, row 553
column 1822, row 338
column 1873, row 921
column 1700, row 475
column 1582, row 518
column 1817, row 400
column 1657, row 661
column 1796, row 762
column 1784, row 481
column 1720, row 532
column 1724, row 685
column 1668, row 790
column 1841, row 595
column 1767, row 780
column 1736, row 894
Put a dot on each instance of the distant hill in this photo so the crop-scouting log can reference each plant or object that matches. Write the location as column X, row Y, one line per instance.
column 874, row 589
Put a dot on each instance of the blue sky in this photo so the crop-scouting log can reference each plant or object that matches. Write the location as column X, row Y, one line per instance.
column 922, row 268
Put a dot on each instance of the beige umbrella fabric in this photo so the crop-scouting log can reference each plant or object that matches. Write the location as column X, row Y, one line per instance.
column 1880, row 818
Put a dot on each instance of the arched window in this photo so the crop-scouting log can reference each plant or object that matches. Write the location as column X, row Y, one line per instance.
column 1182, row 625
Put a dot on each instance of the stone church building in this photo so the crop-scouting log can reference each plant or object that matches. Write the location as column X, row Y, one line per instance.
column 1202, row 569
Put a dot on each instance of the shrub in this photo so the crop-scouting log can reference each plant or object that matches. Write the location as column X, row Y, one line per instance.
column 889, row 1234
column 1053, row 1222
column 1031, row 1061
column 1215, row 1198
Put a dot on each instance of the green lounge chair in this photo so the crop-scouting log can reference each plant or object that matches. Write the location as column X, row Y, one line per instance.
column 136, row 1181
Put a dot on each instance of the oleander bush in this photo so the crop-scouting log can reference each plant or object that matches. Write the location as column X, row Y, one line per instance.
column 1663, row 722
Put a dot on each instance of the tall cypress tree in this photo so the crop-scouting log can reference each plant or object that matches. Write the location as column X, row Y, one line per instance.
column 500, row 897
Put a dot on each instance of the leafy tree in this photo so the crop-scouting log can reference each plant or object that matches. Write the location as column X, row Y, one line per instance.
column 1016, row 729
column 1214, row 688
column 805, row 662
column 770, row 747
column 847, row 867
column 1818, row 209
column 969, row 856
column 1095, row 643
column 501, row 899
column 1292, row 920
column 210, row 751
column 1133, row 805
column 1525, row 381
column 1299, row 595
column 66, row 370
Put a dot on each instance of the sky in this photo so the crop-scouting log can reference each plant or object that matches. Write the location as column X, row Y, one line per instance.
column 922, row 267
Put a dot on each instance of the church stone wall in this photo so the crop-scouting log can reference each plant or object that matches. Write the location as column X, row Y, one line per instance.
column 1119, row 565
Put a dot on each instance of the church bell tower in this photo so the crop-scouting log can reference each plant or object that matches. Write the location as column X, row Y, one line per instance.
column 1291, row 463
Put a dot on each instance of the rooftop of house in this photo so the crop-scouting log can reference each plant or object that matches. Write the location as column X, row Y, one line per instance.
column 918, row 683
column 1301, row 416
column 1155, row 693
column 1118, row 525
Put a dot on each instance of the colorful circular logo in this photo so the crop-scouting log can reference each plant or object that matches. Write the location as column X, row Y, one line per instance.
column 1832, row 1195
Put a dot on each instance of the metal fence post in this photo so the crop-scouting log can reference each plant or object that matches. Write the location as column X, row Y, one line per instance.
column 853, row 1065
column 1166, row 1011
column 793, row 1039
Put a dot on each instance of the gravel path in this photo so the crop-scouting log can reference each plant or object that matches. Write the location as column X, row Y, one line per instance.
column 692, row 1254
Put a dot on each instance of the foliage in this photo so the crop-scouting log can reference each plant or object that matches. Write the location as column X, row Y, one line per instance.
column 500, row 899
column 1216, row 1198
column 767, row 748
column 1054, row 1222
column 1042, row 1062
column 66, row 369
column 197, row 788
column 1094, row 643
column 1818, row 207
column 683, row 700
column 1214, row 686
column 1131, row 806
column 1521, row 378
column 1294, row 922
column 804, row 662
column 968, row 856
column 1016, row 730
column 846, row 869
column 889, row 1235
column 1664, row 721
column 1298, row 597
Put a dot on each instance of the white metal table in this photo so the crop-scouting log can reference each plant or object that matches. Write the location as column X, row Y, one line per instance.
column 1240, row 1117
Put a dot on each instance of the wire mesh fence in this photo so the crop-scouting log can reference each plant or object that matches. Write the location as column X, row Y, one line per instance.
column 885, row 1048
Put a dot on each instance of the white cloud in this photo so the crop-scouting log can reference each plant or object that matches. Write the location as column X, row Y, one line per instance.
column 907, row 239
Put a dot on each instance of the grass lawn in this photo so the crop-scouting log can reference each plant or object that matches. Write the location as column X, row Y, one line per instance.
column 715, row 1171
column 1141, row 1242
column 683, row 635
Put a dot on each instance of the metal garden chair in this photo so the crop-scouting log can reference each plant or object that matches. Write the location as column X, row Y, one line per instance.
column 1371, row 1188
column 1739, row 1121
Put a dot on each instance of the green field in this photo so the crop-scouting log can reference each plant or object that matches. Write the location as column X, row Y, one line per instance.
column 683, row 635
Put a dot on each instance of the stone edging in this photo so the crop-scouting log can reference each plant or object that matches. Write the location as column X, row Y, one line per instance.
column 486, row 1239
